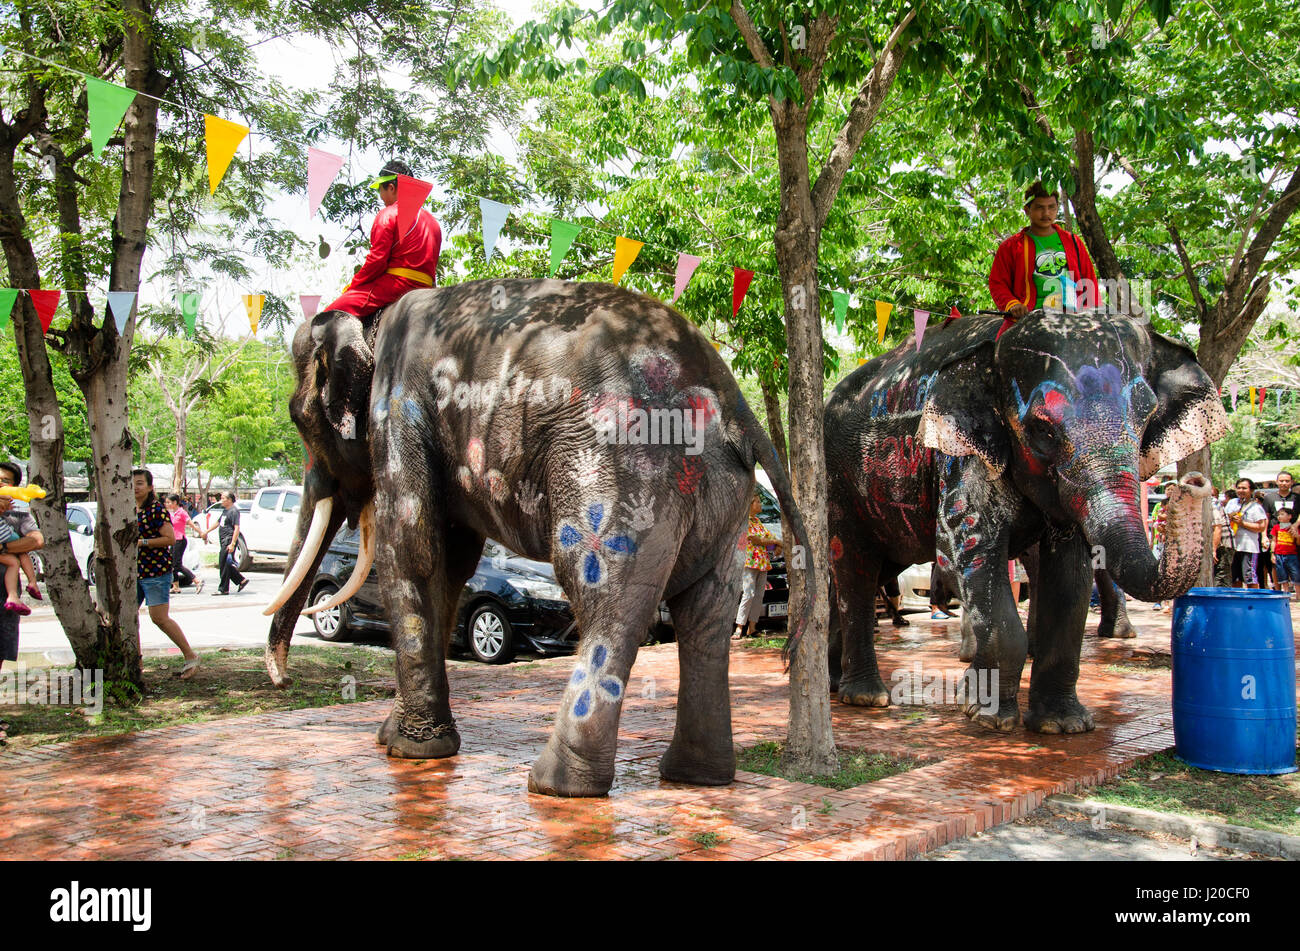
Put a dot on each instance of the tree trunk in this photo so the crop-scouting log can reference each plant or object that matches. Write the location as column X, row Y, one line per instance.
column 810, row 744
column 178, row 468
column 775, row 428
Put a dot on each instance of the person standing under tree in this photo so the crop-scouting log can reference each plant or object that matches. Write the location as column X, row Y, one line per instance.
column 757, row 564
column 154, row 563
column 1247, row 519
column 228, row 535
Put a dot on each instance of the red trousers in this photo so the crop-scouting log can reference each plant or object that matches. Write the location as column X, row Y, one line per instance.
column 365, row 300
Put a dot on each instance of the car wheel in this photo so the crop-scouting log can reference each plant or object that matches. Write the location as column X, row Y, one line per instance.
column 488, row 635
column 332, row 623
column 241, row 553
column 90, row 570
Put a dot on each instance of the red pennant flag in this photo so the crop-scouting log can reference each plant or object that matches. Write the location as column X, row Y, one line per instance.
column 411, row 193
column 45, row 302
column 739, row 287
column 1262, row 391
column 952, row 315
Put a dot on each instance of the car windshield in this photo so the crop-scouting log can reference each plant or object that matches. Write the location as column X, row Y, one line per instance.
column 771, row 511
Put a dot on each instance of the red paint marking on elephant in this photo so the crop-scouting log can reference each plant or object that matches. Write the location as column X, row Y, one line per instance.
column 896, row 457
column 689, row 478
column 837, row 548
column 1056, row 405
column 577, row 391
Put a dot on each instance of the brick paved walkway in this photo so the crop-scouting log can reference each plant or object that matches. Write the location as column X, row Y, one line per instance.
column 313, row 784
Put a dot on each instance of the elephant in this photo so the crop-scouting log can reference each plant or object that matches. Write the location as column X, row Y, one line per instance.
column 578, row 423
column 982, row 443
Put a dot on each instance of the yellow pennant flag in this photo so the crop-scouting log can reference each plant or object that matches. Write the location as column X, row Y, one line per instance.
column 223, row 137
column 882, row 319
column 253, row 305
column 1252, row 400
column 625, row 252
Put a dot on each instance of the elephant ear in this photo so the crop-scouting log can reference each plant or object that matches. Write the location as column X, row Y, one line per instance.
column 345, row 365
column 1189, row 411
column 960, row 417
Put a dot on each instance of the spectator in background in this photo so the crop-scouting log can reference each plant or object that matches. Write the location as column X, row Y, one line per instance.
column 14, row 556
column 1265, row 545
column 1222, row 544
column 1247, row 519
column 1285, row 561
column 182, row 577
column 29, row 539
column 154, row 561
column 227, row 527
column 758, row 561
column 1283, row 498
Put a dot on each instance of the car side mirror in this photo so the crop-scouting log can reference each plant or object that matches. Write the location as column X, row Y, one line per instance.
column 86, row 529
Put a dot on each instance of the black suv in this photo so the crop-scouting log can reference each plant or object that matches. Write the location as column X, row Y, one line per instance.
column 510, row 602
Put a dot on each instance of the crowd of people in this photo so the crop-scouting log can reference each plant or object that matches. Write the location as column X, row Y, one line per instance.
column 1255, row 536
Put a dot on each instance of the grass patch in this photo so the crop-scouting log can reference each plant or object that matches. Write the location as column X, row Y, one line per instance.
column 763, row 642
column 1167, row 784
column 708, row 840
column 229, row 683
column 857, row 767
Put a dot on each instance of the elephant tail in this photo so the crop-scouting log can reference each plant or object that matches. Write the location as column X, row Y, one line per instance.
column 757, row 448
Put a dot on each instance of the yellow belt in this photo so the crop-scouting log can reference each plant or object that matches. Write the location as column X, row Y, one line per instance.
column 418, row 276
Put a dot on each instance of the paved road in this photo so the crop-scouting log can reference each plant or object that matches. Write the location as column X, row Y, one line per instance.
column 232, row 621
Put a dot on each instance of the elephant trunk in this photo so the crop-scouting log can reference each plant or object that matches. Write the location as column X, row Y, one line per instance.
column 1112, row 523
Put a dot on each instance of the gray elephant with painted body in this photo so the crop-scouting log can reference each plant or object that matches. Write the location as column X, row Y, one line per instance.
column 983, row 444
column 577, row 423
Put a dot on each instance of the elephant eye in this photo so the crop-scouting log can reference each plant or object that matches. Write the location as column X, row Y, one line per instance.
column 1042, row 435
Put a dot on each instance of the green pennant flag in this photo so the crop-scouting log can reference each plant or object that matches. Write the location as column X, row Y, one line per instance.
column 107, row 104
column 841, row 301
column 7, row 297
column 190, row 310
column 562, row 235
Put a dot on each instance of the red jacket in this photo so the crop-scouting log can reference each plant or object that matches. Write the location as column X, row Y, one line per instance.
column 416, row 251
column 1012, row 277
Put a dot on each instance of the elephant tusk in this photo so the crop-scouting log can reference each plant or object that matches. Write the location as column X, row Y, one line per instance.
column 365, row 558
column 320, row 519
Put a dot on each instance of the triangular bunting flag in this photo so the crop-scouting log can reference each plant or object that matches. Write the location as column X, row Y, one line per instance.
column 322, row 169
column 411, row 193
column 1252, row 399
column 563, row 234
column 494, row 218
column 1277, row 403
column 106, row 104
column 686, row 265
column 190, row 310
column 953, row 314
column 919, row 319
column 7, row 297
column 625, row 252
column 310, row 304
column 46, row 302
column 119, row 305
column 1232, row 391
column 739, row 287
column 882, row 319
column 1263, row 395
column 223, row 137
column 253, row 307
column 840, row 301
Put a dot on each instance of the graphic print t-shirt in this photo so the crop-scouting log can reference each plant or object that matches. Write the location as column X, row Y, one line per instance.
column 1284, row 539
column 1049, row 265
column 1243, row 539
column 226, row 525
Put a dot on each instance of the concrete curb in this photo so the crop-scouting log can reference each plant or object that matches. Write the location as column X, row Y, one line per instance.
column 1204, row 831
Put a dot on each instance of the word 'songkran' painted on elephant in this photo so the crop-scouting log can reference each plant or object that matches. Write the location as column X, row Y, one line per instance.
column 1035, row 444
column 405, row 414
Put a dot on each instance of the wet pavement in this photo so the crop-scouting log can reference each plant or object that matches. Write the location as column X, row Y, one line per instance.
column 313, row 784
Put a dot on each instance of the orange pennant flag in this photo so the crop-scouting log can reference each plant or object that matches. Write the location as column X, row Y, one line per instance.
column 223, row 138
column 882, row 319
column 253, row 307
column 625, row 252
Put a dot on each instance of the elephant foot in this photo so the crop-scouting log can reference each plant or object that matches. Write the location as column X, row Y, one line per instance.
column 864, row 692
column 1059, row 715
column 387, row 730
column 1004, row 720
column 679, row 767
column 551, row 776
column 1121, row 629
column 966, row 653
column 417, row 738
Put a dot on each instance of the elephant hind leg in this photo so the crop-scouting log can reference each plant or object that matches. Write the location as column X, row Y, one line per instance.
column 701, row 752
column 857, row 574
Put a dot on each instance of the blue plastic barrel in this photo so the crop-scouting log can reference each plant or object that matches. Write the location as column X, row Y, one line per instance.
column 1234, row 680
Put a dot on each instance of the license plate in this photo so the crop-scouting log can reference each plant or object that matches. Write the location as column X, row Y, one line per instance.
column 778, row 610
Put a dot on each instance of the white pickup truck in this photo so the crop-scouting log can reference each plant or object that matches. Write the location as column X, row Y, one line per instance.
column 267, row 527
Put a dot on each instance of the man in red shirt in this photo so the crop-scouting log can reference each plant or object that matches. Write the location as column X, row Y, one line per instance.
column 396, row 263
column 1028, row 266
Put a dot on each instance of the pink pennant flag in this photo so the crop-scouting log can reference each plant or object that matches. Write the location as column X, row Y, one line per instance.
column 686, row 265
column 739, row 287
column 310, row 304
column 919, row 319
column 1232, row 391
column 322, row 169
column 411, row 193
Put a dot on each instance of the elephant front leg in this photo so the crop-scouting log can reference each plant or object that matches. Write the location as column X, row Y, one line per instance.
column 856, row 578
column 1065, row 571
column 1114, row 610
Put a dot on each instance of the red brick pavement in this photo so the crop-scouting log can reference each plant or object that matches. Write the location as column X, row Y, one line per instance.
column 313, row 784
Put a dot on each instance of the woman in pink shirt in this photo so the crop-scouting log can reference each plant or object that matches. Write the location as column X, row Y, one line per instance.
column 181, row 576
